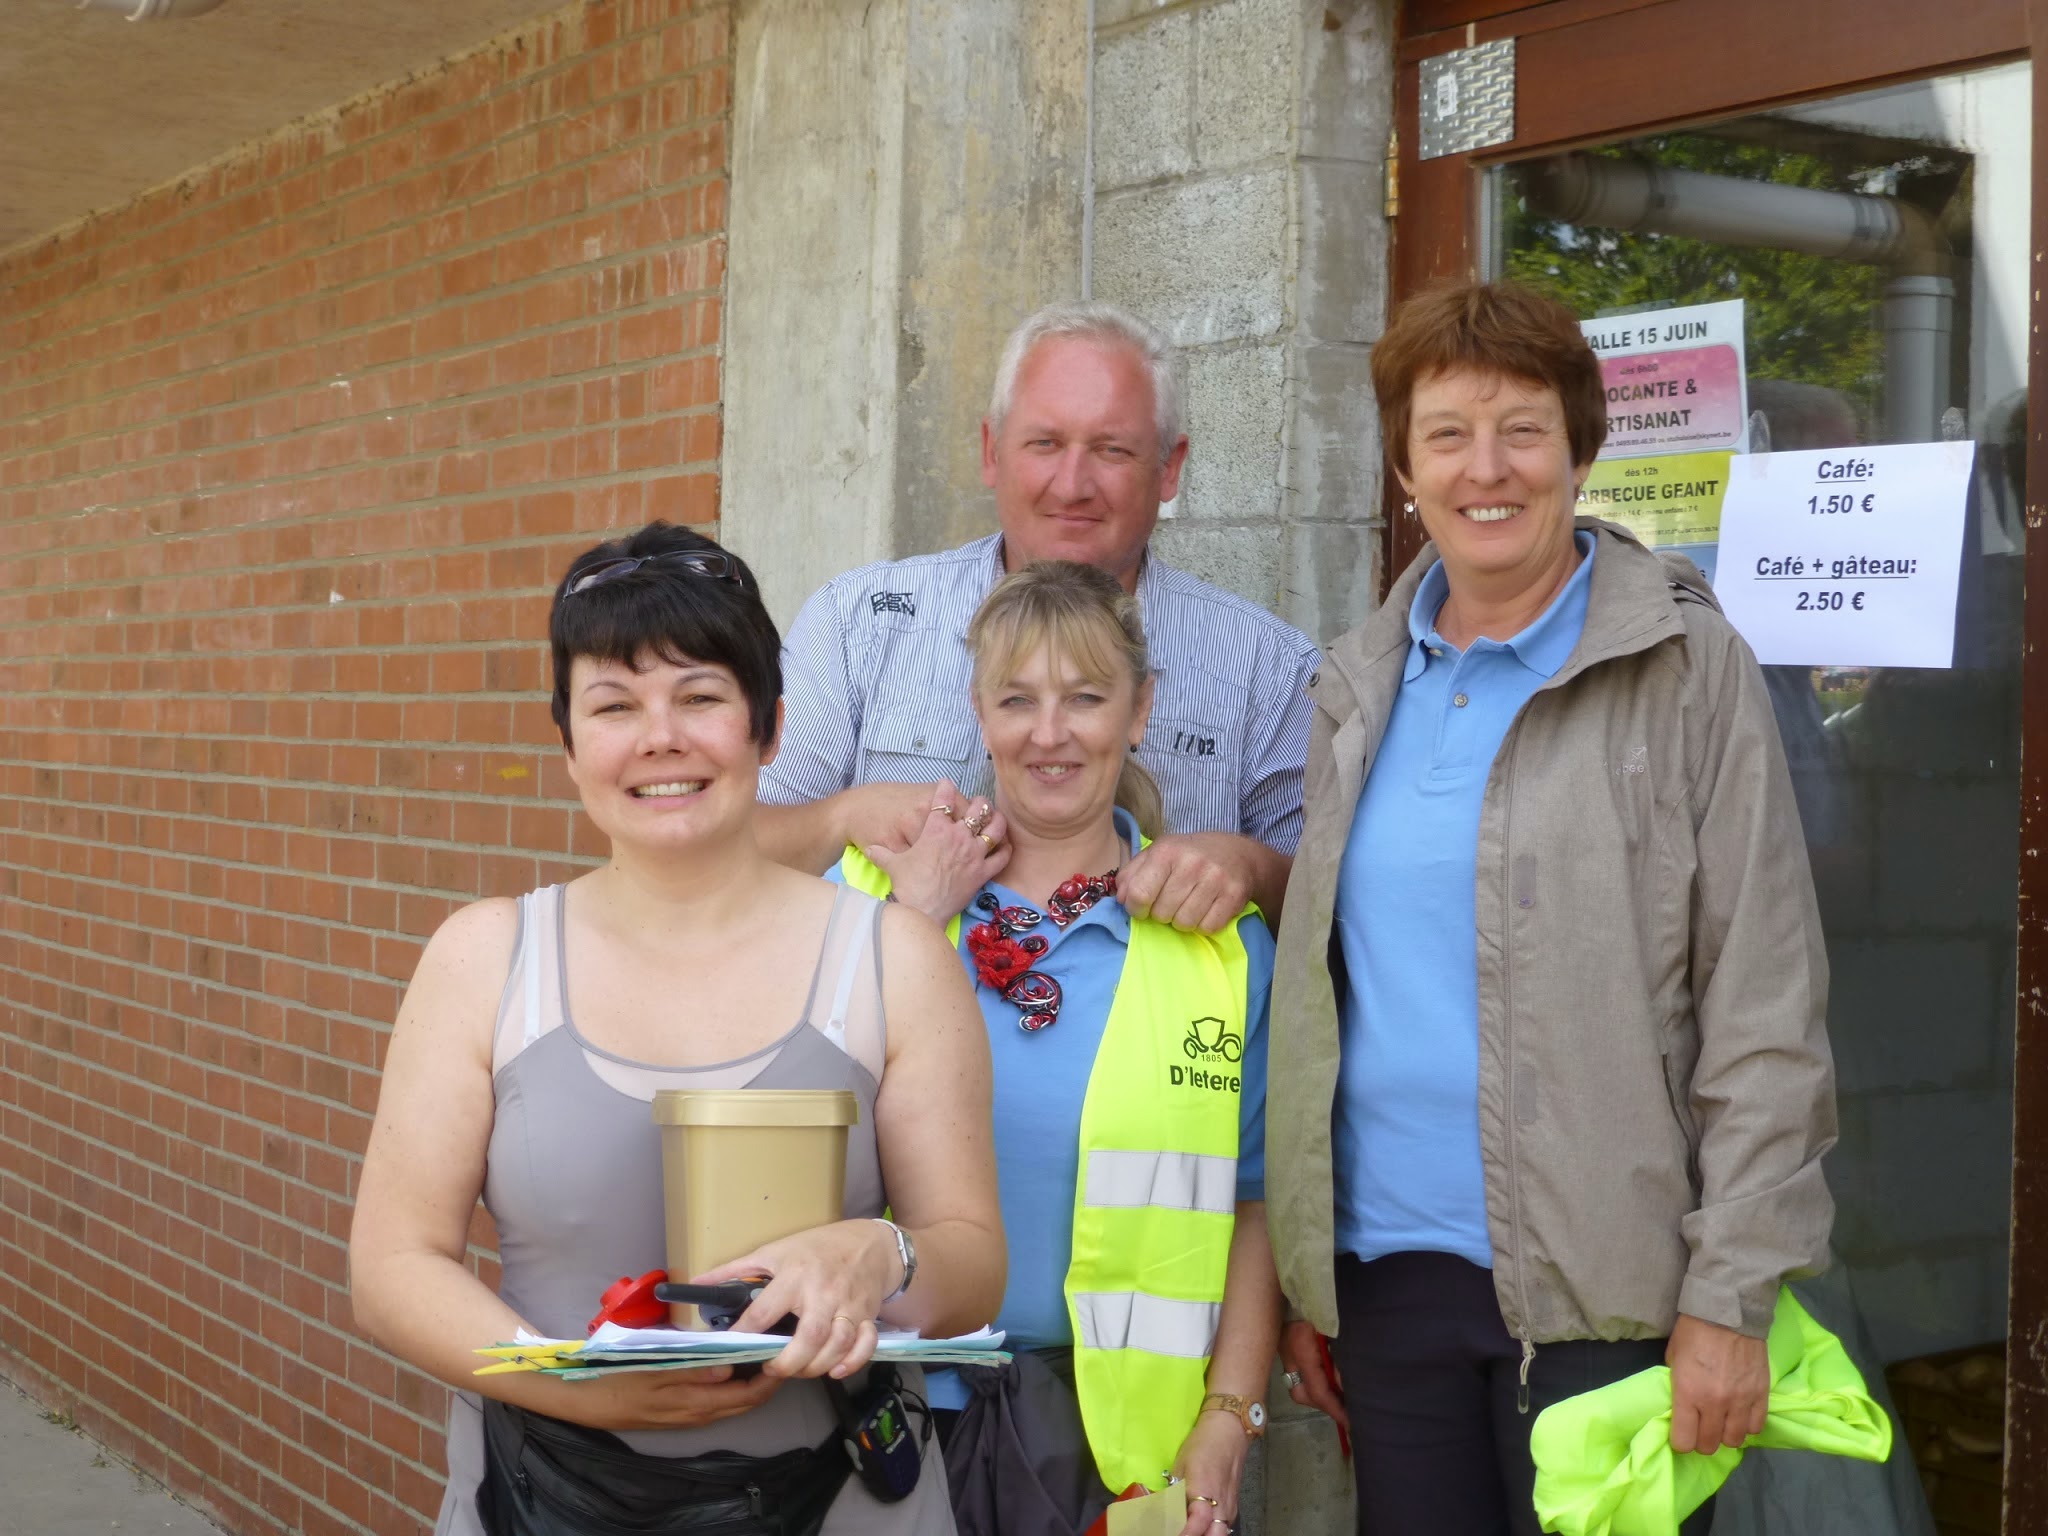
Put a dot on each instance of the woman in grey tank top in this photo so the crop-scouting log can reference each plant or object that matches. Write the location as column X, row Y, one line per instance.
column 536, row 1032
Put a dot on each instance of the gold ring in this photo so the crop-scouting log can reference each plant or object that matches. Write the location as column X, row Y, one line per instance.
column 975, row 823
column 841, row 1317
column 1212, row 1503
column 944, row 810
column 986, row 841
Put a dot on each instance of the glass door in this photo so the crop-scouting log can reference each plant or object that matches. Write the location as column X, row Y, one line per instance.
column 1803, row 234
column 1843, row 275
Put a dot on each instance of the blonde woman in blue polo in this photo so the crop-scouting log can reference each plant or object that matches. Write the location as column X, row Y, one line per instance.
column 1129, row 1081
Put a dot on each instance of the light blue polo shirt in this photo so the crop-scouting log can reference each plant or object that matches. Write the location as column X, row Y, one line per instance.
column 1406, row 1124
column 1041, row 1079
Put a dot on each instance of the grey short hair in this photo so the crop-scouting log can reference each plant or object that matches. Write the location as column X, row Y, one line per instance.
column 1105, row 324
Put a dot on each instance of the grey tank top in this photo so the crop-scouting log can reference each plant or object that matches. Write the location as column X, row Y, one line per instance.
column 573, row 1182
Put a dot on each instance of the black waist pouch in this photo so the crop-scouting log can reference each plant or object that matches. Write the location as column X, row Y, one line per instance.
column 546, row 1477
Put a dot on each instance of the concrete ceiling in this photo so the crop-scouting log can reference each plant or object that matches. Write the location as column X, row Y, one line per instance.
column 95, row 109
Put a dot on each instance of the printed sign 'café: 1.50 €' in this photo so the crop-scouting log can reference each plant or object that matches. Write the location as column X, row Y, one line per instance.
column 1846, row 556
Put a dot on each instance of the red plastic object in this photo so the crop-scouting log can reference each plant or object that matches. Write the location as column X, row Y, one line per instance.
column 630, row 1303
column 1101, row 1525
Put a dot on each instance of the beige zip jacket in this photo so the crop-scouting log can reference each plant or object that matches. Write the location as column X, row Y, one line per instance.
column 1655, row 1087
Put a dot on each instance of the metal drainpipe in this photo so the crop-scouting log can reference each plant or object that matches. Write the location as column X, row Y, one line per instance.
column 153, row 10
column 1919, row 313
column 1919, row 298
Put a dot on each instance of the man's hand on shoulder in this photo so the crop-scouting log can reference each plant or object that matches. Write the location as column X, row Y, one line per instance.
column 1198, row 881
column 811, row 834
column 889, row 816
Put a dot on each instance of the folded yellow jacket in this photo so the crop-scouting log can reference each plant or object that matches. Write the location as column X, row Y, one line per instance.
column 1604, row 1463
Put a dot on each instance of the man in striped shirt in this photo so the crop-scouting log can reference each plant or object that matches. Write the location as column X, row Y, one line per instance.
column 1081, row 445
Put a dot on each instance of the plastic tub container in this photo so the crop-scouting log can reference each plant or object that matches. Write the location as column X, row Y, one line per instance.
column 744, row 1166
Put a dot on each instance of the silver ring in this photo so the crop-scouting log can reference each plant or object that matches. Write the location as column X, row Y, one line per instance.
column 1292, row 1378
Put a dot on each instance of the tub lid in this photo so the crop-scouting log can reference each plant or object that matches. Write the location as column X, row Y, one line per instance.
column 794, row 1107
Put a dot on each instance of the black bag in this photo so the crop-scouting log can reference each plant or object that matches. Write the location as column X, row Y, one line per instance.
column 547, row 1477
column 1018, row 1461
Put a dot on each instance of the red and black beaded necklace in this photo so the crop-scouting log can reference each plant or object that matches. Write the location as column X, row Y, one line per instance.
column 1002, row 960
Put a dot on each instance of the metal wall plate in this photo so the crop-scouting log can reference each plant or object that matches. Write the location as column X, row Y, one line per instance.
column 1468, row 99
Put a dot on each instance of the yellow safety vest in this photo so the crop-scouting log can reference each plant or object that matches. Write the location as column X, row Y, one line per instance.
column 1157, row 1198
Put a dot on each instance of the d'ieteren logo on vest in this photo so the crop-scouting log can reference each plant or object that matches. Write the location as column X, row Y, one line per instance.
column 1214, row 1048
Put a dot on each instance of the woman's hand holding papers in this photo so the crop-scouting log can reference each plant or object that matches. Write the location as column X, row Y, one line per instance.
column 834, row 1278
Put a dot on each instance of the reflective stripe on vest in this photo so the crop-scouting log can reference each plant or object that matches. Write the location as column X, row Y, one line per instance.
column 1177, row 1181
column 1157, row 1200
column 1158, row 1324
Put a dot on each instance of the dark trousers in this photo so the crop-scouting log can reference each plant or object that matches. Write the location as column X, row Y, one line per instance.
column 1432, row 1381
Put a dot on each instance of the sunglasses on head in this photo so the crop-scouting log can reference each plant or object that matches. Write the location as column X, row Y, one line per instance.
column 717, row 567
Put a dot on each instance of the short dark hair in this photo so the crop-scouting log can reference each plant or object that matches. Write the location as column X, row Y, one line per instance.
column 667, row 611
column 1498, row 328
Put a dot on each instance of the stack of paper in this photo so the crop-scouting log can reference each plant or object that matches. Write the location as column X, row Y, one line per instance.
column 613, row 1348
column 1152, row 1514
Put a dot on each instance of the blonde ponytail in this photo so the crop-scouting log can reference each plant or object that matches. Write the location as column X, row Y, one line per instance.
column 1138, row 792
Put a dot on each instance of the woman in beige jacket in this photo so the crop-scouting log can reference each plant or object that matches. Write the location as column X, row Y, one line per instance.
column 1551, row 961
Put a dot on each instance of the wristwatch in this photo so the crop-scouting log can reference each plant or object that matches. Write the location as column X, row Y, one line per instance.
column 906, row 1252
column 1251, row 1413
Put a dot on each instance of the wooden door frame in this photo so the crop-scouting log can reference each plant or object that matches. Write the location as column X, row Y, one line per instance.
column 2026, row 1433
column 1586, row 73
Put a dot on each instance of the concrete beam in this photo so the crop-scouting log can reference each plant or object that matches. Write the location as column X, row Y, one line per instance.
column 907, row 184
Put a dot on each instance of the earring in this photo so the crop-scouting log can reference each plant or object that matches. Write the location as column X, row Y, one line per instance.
column 1408, row 507
column 1134, row 749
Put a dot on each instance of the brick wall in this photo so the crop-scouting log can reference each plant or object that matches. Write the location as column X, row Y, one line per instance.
column 288, row 455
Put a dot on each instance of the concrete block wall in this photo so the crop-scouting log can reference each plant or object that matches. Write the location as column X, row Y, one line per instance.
column 907, row 186
column 1239, row 160
column 291, row 453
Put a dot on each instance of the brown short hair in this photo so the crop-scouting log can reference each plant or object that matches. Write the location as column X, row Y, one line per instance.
column 664, row 611
column 1498, row 328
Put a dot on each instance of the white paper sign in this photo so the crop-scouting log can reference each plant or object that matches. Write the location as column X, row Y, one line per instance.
column 1846, row 556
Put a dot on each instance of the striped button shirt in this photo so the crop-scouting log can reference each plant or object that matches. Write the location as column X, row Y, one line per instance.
column 876, row 689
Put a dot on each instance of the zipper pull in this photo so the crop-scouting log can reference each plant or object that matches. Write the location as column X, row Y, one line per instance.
column 1522, row 1382
column 757, row 1507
